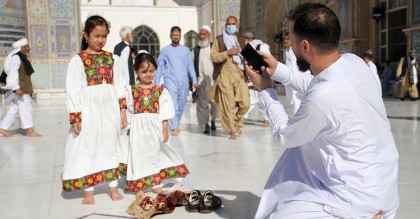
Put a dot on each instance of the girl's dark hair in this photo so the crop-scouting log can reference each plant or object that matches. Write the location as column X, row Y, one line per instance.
column 90, row 24
column 144, row 57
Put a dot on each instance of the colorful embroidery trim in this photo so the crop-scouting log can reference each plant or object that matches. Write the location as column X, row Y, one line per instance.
column 75, row 117
column 146, row 100
column 123, row 103
column 156, row 179
column 122, row 168
column 90, row 180
column 98, row 68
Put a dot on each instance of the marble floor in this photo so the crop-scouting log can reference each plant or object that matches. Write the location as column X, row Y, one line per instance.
column 30, row 168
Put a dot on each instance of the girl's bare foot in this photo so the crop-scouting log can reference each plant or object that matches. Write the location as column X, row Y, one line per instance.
column 5, row 133
column 115, row 194
column 88, row 198
column 157, row 190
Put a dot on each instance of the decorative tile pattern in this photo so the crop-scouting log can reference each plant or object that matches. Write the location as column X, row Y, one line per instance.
column 39, row 47
column 19, row 4
column 344, row 48
column 416, row 41
column 344, row 17
column 12, row 26
column 41, row 76
column 58, row 75
column 62, row 9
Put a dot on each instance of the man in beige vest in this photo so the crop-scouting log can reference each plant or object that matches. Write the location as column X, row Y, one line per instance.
column 19, row 86
column 230, row 90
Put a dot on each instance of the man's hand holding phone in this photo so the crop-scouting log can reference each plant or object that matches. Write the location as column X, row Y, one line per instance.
column 261, row 79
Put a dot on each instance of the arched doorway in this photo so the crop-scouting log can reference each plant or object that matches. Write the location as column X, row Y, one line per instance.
column 275, row 26
column 147, row 39
column 190, row 39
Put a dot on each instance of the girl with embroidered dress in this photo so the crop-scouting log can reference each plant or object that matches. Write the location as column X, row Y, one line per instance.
column 150, row 158
column 96, row 101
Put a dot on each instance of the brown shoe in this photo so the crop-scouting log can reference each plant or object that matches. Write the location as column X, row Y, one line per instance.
column 265, row 124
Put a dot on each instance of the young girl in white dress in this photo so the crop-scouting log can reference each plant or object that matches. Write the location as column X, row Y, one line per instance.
column 96, row 102
column 150, row 158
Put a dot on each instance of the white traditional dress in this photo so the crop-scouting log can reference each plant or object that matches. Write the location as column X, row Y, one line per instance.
column 340, row 159
column 95, row 93
column 149, row 160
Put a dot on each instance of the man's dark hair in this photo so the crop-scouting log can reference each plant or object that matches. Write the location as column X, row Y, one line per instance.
column 368, row 56
column 175, row 28
column 316, row 23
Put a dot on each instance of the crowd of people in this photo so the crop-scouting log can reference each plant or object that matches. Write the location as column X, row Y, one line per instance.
column 123, row 106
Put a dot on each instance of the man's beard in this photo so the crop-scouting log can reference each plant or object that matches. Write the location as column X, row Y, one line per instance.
column 302, row 64
column 203, row 43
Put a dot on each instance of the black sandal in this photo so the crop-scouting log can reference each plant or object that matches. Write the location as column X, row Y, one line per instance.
column 193, row 203
column 210, row 202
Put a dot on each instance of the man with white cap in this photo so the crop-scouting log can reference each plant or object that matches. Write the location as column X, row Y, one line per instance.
column 19, row 86
column 204, row 70
column 123, row 50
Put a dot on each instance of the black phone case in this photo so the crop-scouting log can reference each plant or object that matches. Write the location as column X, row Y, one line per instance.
column 253, row 58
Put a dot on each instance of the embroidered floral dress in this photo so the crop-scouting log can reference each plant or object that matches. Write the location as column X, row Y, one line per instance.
column 149, row 160
column 95, row 94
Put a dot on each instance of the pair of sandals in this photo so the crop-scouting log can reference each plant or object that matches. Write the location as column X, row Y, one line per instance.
column 206, row 203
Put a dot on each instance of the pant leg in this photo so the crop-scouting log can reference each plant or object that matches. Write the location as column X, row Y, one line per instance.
column 26, row 111
column 242, row 98
column 10, row 116
column 413, row 92
column 214, row 111
column 203, row 109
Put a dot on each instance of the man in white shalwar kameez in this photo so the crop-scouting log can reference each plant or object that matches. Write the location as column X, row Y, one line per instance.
column 19, row 85
column 340, row 159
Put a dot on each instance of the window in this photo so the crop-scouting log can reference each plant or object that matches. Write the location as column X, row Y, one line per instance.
column 190, row 39
column 145, row 38
column 396, row 39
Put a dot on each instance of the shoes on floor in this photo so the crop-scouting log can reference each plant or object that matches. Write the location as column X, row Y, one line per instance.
column 206, row 129
column 206, row 203
column 213, row 125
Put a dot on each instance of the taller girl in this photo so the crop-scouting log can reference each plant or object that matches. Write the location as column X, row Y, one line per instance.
column 96, row 101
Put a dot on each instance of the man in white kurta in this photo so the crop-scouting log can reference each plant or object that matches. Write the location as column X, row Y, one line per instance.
column 368, row 59
column 340, row 159
column 19, row 89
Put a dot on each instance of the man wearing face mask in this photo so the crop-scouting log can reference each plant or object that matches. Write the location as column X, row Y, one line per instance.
column 230, row 90
column 408, row 70
column 204, row 70
column 123, row 50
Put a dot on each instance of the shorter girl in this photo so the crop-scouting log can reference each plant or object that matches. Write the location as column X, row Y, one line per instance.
column 150, row 158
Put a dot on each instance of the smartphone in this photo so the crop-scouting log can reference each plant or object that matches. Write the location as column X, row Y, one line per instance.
column 253, row 58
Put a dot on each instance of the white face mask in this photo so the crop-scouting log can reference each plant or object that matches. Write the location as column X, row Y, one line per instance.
column 231, row 29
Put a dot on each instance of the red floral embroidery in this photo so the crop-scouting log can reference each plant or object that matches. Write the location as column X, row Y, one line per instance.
column 98, row 68
column 146, row 100
column 90, row 180
column 123, row 103
column 75, row 117
column 156, row 179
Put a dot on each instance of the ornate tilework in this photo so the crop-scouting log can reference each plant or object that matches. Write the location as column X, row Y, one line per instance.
column 156, row 179
column 146, row 100
column 39, row 40
column 90, row 180
column 416, row 41
column 98, row 68
column 61, row 9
